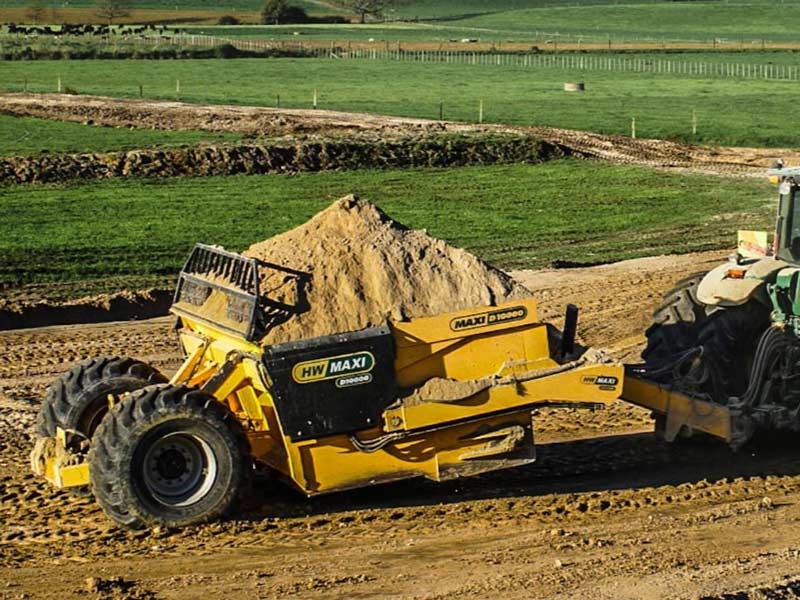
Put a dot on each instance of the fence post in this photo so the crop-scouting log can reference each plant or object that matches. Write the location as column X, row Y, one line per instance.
column 633, row 127
column 315, row 98
column 480, row 111
column 59, row 84
column 694, row 122
column 441, row 110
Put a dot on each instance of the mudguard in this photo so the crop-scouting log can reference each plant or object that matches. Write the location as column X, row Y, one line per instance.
column 719, row 288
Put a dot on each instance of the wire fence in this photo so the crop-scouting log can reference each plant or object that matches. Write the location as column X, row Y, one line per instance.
column 532, row 58
column 577, row 62
column 565, row 62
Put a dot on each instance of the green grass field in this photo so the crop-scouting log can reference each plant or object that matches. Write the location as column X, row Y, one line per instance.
column 136, row 233
column 729, row 111
column 668, row 20
column 569, row 21
column 450, row 9
column 24, row 136
column 455, row 30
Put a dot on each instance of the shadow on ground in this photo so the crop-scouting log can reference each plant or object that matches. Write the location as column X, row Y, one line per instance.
column 620, row 462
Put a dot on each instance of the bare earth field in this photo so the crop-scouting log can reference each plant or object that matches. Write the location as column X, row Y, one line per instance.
column 271, row 122
column 607, row 511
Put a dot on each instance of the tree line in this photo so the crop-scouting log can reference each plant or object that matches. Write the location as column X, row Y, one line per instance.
column 274, row 12
column 107, row 10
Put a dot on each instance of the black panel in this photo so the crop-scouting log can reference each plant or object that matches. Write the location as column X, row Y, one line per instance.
column 329, row 385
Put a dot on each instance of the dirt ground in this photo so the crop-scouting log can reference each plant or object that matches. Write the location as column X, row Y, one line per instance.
column 271, row 122
column 606, row 512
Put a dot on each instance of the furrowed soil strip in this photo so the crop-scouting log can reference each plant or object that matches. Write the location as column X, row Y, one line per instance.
column 121, row 306
column 281, row 157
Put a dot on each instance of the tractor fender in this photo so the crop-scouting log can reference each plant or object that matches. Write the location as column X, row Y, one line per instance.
column 718, row 288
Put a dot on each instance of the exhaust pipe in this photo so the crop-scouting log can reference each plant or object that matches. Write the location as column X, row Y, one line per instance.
column 570, row 330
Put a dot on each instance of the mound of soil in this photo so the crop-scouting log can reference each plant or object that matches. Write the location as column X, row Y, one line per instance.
column 362, row 268
column 282, row 157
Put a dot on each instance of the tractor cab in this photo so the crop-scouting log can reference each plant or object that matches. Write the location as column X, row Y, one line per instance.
column 786, row 244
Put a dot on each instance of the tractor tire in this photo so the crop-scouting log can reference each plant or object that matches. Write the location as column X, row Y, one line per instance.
column 170, row 456
column 675, row 323
column 728, row 335
column 729, row 338
column 78, row 400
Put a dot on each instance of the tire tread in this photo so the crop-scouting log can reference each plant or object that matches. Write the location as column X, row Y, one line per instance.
column 110, row 456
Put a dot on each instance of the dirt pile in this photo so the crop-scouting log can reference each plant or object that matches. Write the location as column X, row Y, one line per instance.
column 363, row 267
column 282, row 157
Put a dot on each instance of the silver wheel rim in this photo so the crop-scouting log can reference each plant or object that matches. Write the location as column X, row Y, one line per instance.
column 179, row 469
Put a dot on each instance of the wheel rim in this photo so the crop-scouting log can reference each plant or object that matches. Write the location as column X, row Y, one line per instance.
column 179, row 469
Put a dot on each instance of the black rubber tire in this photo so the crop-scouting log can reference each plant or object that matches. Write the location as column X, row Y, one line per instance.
column 135, row 426
column 728, row 335
column 729, row 338
column 676, row 323
column 78, row 399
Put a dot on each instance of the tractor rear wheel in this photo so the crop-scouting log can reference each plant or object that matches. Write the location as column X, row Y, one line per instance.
column 728, row 337
column 168, row 455
column 675, row 323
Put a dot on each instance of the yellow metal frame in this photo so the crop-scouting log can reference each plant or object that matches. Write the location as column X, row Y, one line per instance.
column 513, row 357
column 56, row 464
column 680, row 410
column 67, row 476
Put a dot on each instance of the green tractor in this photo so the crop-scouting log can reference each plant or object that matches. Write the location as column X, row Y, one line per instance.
column 732, row 336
